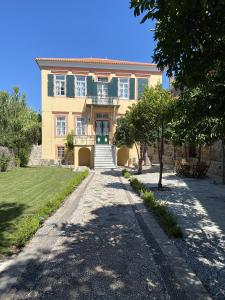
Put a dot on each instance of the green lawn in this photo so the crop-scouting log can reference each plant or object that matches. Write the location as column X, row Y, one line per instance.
column 26, row 194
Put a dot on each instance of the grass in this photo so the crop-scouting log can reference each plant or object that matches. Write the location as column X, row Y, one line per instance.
column 159, row 208
column 29, row 195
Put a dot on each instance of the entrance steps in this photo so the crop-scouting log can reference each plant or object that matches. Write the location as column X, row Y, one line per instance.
column 104, row 157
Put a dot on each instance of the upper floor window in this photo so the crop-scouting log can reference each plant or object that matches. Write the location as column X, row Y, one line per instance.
column 80, row 86
column 80, row 125
column 123, row 88
column 60, row 84
column 60, row 125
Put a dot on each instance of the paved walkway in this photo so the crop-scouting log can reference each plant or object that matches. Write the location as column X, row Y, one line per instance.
column 102, row 251
column 199, row 205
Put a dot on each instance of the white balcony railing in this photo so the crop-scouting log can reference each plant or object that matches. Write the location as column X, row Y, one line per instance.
column 99, row 100
column 83, row 140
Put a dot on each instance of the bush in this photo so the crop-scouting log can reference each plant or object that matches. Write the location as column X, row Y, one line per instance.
column 159, row 208
column 23, row 156
column 4, row 162
column 126, row 173
column 166, row 218
column 137, row 185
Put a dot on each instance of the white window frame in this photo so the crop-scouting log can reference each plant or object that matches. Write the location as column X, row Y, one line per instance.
column 61, row 156
column 85, row 125
column 75, row 86
column 60, row 81
column 118, row 88
column 61, row 133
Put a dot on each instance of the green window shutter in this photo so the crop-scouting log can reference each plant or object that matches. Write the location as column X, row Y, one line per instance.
column 113, row 87
column 132, row 88
column 70, row 86
column 50, row 85
column 91, row 86
column 142, row 84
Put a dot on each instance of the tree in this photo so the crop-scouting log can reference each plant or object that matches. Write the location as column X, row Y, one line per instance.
column 19, row 125
column 190, row 39
column 161, row 112
column 136, row 128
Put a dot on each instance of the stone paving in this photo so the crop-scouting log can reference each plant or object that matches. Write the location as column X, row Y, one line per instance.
column 199, row 205
column 99, row 253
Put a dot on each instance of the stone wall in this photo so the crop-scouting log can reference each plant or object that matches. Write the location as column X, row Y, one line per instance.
column 10, row 153
column 35, row 156
column 212, row 155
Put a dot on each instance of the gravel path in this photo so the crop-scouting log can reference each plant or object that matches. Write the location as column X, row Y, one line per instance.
column 199, row 205
column 99, row 253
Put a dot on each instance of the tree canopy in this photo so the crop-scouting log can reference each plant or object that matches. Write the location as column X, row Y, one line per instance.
column 19, row 125
column 190, row 39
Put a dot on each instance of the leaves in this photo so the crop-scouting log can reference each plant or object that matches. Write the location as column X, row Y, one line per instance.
column 19, row 125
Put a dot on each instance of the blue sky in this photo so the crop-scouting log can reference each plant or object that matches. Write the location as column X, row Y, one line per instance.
column 69, row 28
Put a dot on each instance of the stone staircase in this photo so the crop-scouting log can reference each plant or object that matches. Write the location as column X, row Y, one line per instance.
column 104, row 157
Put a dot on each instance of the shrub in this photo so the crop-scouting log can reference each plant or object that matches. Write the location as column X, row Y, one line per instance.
column 159, row 208
column 126, row 173
column 23, row 156
column 137, row 185
column 4, row 162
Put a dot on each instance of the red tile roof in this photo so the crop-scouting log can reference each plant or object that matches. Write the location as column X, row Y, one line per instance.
column 96, row 61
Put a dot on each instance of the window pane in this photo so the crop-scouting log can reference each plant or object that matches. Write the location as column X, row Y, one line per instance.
column 80, row 86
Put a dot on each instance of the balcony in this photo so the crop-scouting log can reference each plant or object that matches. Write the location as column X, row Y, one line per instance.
column 83, row 140
column 103, row 101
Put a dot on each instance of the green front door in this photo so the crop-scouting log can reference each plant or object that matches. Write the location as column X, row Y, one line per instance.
column 102, row 132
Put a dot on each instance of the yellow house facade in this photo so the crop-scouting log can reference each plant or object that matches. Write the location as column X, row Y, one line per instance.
column 85, row 97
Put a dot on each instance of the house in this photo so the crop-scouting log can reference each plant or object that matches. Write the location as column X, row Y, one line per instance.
column 86, row 96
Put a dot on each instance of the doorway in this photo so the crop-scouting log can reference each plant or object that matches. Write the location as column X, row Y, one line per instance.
column 102, row 131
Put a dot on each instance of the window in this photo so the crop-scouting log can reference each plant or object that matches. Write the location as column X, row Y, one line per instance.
column 102, row 89
column 123, row 88
column 60, row 125
column 60, row 83
column 102, row 116
column 80, row 86
column 80, row 125
column 60, row 152
column 102, row 79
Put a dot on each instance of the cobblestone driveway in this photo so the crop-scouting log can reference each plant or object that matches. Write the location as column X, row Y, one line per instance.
column 99, row 253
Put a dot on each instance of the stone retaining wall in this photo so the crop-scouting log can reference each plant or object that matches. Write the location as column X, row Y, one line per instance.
column 212, row 155
column 10, row 153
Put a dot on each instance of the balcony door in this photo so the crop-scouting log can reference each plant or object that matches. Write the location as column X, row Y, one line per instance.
column 102, row 131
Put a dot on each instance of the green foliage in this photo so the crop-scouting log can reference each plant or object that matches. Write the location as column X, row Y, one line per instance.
column 137, row 185
column 23, row 155
column 159, row 208
column 4, row 162
column 69, row 140
column 19, row 125
column 126, row 174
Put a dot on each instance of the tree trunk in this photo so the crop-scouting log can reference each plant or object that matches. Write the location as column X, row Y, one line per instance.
column 223, row 159
column 146, row 158
column 185, row 152
column 161, row 158
column 199, row 153
column 140, row 159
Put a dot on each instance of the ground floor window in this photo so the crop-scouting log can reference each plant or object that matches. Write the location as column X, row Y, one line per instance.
column 60, row 152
